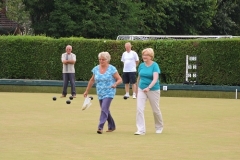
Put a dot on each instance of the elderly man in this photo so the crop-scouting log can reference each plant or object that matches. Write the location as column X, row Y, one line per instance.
column 68, row 71
column 130, row 60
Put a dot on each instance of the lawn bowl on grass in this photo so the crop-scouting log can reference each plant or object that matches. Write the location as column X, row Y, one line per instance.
column 68, row 102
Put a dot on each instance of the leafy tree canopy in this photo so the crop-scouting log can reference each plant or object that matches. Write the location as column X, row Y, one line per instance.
column 90, row 19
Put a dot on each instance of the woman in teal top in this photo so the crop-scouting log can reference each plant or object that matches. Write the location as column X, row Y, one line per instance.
column 146, row 74
column 148, row 89
column 106, row 78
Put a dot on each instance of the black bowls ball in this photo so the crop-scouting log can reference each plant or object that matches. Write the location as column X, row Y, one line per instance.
column 91, row 97
column 68, row 101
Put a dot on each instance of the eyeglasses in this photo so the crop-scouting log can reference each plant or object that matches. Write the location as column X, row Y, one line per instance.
column 102, row 59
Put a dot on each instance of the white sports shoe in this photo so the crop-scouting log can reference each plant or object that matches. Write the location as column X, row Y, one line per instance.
column 139, row 133
column 134, row 96
column 126, row 95
column 159, row 131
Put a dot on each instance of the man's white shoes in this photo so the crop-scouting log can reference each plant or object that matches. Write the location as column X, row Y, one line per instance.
column 139, row 133
column 134, row 96
column 159, row 131
column 126, row 95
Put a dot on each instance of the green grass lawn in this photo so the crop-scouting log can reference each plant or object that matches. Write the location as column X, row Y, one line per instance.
column 33, row 126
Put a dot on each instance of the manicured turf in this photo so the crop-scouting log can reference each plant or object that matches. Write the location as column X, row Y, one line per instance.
column 33, row 126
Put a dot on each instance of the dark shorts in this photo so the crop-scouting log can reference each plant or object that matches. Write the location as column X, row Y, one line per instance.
column 129, row 77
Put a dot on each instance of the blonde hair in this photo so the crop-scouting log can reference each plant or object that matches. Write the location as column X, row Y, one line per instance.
column 105, row 55
column 148, row 51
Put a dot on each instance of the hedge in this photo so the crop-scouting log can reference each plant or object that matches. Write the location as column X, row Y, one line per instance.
column 39, row 57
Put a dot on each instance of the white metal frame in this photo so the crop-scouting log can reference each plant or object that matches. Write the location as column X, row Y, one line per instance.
column 157, row 37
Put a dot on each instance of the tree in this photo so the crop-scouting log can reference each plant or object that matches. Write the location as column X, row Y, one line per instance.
column 235, row 16
column 90, row 19
column 16, row 12
column 1, row 5
column 227, row 12
column 178, row 17
column 158, row 14
column 192, row 16
column 109, row 18
column 39, row 11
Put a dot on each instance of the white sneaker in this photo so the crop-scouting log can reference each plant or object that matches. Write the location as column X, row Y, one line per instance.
column 159, row 131
column 139, row 133
column 126, row 95
column 134, row 96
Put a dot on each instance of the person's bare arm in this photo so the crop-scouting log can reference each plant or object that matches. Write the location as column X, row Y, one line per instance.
column 155, row 78
column 89, row 86
column 118, row 80
column 64, row 62
column 71, row 61
column 137, row 62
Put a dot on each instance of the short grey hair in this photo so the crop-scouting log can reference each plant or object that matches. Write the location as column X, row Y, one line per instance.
column 105, row 55
column 69, row 46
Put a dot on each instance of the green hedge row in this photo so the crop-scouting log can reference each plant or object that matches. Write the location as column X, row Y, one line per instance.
column 39, row 57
